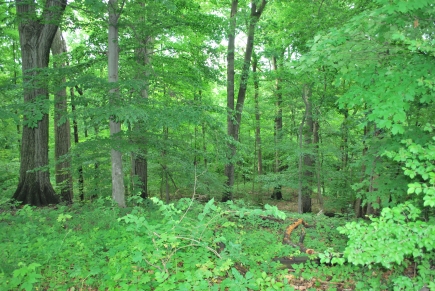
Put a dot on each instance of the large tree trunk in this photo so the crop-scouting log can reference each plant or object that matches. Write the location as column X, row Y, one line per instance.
column 36, row 36
column 62, row 131
column 234, row 116
column 118, row 190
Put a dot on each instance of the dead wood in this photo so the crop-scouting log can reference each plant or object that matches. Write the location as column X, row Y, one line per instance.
column 287, row 239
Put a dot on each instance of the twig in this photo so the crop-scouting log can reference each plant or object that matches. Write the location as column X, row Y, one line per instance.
column 198, row 243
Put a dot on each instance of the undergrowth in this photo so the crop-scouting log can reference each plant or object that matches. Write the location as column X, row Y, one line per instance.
column 181, row 246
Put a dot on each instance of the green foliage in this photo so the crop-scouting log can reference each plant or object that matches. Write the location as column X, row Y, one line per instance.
column 369, row 68
column 183, row 246
column 26, row 276
column 417, row 158
column 397, row 234
column 161, row 246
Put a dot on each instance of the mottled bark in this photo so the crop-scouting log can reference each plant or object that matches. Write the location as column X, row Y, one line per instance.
column 118, row 190
column 36, row 35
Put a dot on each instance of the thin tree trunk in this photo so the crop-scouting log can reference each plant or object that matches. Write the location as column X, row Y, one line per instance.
column 196, row 150
column 306, row 172
column 140, row 162
column 257, row 116
column 76, row 141
column 16, row 60
column 344, row 140
column 316, row 141
column 234, row 116
column 229, row 167
column 277, row 194
column 204, row 144
column 118, row 190
column 62, row 131
column 165, row 176
column 36, row 35
column 358, row 202
column 370, row 209
column 258, row 167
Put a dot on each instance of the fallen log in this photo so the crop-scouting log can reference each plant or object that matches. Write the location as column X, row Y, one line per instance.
column 287, row 262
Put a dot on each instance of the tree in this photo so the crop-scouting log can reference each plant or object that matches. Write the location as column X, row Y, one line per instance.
column 234, row 115
column 277, row 194
column 36, row 36
column 306, row 161
column 385, row 57
column 143, row 59
column 118, row 190
column 259, row 164
column 62, row 131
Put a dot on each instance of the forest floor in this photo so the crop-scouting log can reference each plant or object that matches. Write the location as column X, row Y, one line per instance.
column 186, row 246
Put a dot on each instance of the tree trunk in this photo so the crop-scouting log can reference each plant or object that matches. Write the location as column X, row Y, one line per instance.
column 143, row 58
column 62, row 131
column 36, row 35
column 229, row 167
column 359, row 211
column 234, row 116
column 140, row 162
column 257, row 116
column 165, row 170
column 316, row 141
column 258, row 166
column 204, row 144
column 307, row 161
column 118, row 190
column 76, row 141
column 277, row 194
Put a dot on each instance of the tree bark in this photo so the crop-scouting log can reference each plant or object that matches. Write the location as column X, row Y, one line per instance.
column 234, row 116
column 36, row 35
column 118, row 190
column 76, row 141
column 62, row 131
column 358, row 207
column 143, row 58
column 229, row 167
column 258, row 163
column 140, row 160
column 316, row 141
column 257, row 116
column 277, row 194
column 307, row 161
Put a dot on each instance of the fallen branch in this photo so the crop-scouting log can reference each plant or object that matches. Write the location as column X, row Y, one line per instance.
column 287, row 240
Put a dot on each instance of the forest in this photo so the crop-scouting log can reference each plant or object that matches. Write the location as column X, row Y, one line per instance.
column 217, row 145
